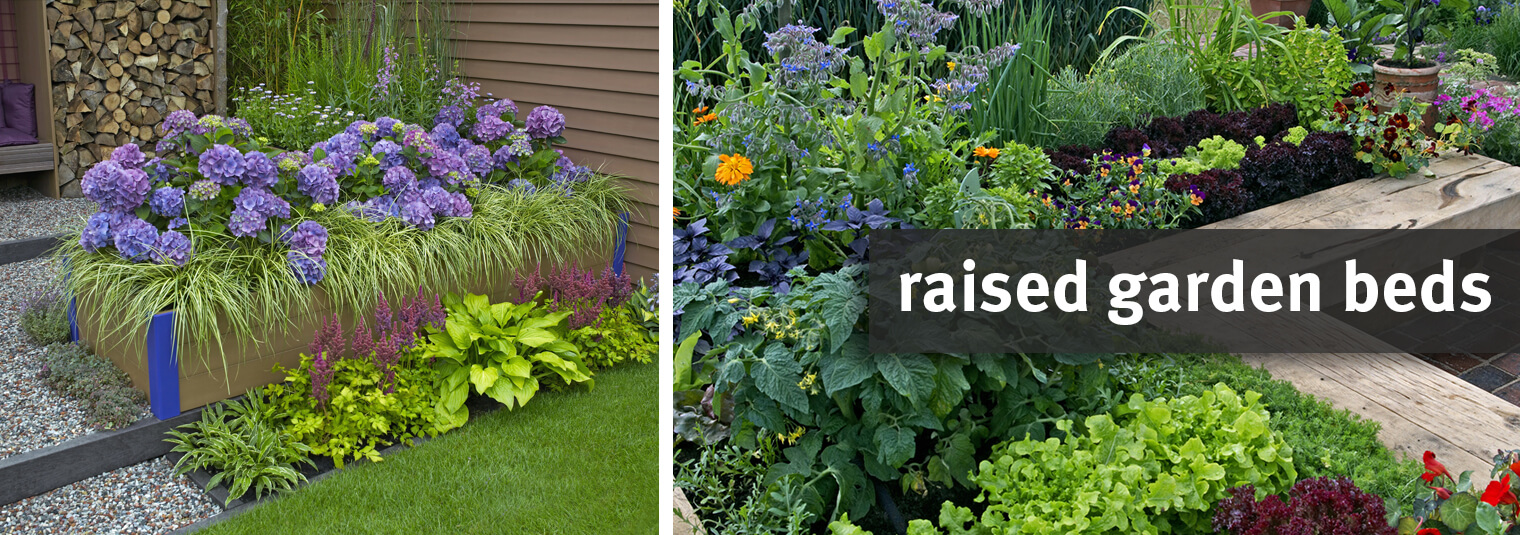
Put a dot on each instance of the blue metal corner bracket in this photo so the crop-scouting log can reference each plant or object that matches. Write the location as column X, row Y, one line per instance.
column 73, row 320
column 621, row 247
column 163, row 366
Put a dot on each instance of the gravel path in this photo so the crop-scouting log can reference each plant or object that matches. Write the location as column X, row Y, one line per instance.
column 26, row 213
column 143, row 498
column 31, row 414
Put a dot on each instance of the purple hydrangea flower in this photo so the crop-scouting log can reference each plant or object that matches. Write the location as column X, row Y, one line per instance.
column 491, row 128
column 563, row 162
column 342, row 165
column 545, row 122
column 245, row 223
column 223, row 164
column 97, row 232
column 376, row 209
column 415, row 211
column 239, row 127
column 168, row 202
column 308, row 238
column 134, row 239
column 389, row 154
column 129, row 156
column 177, row 121
column 460, row 206
column 478, row 159
column 262, row 172
column 172, row 248
column 573, row 173
column 205, row 190
column 417, row 138
column 496, row 109
column 308, row 270
column 262, row 202
column 318, row 182
column 446, row 136
column 386, row 126
column 346, row 144
column 444, row 162
column 115, row 188
column 178, row 222
column 518, row 184
column 449, row 115
column 398, row 179
column 158, row 171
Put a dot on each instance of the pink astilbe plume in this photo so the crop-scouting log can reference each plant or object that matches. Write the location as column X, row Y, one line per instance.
column 383, row 314
column 329, row 338
column 321, row 376
column 364, row 341
column 528, row 287
column 583, row 293
column 387, row 354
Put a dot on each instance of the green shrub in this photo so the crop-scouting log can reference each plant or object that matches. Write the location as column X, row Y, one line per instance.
column 1505, row 32
column 366, row 410
column 726, row 487
column 1149, row 80
column 246, row 451
column 1155, row 466
column 45, row 316
column 1021, row 167
column 1326, row 442
column 617, row 338
column 106, row 391
column 1310, row 71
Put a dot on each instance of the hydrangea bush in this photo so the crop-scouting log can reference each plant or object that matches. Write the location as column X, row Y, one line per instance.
column 212, row 175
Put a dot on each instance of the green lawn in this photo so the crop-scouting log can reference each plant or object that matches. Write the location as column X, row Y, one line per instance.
column 568, row 462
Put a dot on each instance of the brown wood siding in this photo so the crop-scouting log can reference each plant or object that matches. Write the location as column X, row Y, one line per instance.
column 597, row 61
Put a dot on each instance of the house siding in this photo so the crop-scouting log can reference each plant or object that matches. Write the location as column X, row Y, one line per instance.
column 598, row 63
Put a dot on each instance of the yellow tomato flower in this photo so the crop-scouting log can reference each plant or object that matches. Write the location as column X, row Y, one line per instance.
column 733, row 170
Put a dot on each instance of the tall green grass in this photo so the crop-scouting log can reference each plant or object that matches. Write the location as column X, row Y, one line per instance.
column 246, row 291
column 342, row 63
column 262, row 35
column 1012, row 107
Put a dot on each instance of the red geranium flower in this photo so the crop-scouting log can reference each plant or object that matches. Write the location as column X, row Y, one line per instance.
column 1360, row 89
column 1498, row 493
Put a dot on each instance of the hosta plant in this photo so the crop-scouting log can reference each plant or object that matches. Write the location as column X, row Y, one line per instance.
column 245, row 450
column 502, row 350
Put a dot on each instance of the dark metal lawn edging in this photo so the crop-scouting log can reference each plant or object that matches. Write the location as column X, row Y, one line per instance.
column 41, row 470
column 27, row 248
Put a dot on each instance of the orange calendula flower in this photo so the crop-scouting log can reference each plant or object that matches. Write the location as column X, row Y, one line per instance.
column 733, row 170
column 675, row 212
column 984, row 152
column 705, row 118
column 700, row 111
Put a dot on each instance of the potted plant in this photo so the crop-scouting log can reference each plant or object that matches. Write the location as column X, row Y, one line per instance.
column 1298, row 7
column 1406, row 72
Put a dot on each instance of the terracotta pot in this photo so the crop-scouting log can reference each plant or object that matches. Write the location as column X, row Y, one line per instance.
column 1422, row 83
column 1298, row 7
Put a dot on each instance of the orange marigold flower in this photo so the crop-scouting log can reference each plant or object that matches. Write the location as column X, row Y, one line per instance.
column 984, row 152
column 733, row 170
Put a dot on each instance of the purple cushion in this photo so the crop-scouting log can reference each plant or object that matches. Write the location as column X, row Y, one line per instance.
column 19, row 106
column 12, row 136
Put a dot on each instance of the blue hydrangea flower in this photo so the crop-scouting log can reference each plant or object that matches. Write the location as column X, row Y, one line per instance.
column 262, row 172
column 442, row 163
column 177, row 122
column 545, row 122
column 318, row 182
column 223, row 164
column 415, row 211
column 479, row 160
column 245, row 223
column 168, row 202
column 349, row 145
column 308, row 238
column 518, row 184
column 134, row 239
column 129, row 156
column 158, row 171
column 386, row 126
column 389, row 154
column 262, row 202
column 446, row 136
column 178, row 222
column 449, row 115
column 97, row 232
column 307, row 269
column 398, row 179
column 172, row 248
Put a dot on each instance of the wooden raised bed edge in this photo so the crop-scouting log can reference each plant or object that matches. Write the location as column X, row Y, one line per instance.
column 172, row 388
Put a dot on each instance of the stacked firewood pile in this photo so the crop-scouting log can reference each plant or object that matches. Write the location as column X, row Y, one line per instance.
column 118, row 68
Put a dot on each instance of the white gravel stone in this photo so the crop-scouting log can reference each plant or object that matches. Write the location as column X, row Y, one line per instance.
column 144, row 498
column 31, row 414
column 27, row 213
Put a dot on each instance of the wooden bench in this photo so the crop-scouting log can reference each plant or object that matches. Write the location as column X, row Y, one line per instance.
column 26, row 158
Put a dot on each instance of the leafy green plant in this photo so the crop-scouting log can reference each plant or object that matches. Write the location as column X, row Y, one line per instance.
column 501, row 350
column 1151, row 466
column 366, row 408
column 614, row 339
column 105, row 390
column 1505, row 32
column 1415, row 15
column 1361, row 26
column 262, row 37
column 726, row 487
column 1454, row 506
column 45, row 315
column 1148, row 80
column 246, row 450
column 1387, row 137
column 1310, row 71
column 1012, row 108
column 1212, row 153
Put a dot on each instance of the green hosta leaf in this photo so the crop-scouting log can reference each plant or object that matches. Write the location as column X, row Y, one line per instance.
column 517, row 367
column 460, row 334
column 450, row 419
column 534, row 337
column 777, row 375
column 483, row 377
column 910, row 375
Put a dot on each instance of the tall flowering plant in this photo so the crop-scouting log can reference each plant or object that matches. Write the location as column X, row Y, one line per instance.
column 501, row 148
